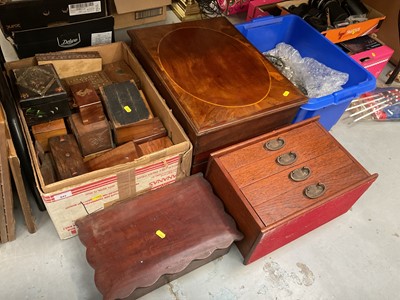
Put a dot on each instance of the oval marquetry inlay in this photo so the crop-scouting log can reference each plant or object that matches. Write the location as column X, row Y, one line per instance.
column 214, row 67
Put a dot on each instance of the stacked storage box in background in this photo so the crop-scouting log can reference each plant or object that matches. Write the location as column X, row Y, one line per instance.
column 136, row 12
column 39, row 26
column 355, row 38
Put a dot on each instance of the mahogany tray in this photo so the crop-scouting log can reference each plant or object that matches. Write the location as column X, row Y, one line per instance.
column 220, row 88
column 140, row 244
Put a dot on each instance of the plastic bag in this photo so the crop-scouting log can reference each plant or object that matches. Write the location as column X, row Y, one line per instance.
column 312, row 77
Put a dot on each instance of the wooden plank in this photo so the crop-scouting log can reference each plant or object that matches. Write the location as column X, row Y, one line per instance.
column 20, row 187
column 3, row 181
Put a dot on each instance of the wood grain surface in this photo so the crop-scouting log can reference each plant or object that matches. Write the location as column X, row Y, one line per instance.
column 221, row 89
column 135, row 243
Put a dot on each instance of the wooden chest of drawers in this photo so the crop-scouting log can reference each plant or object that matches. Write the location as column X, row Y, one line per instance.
column 220, row 88
column 140, row 244
column 276, row 196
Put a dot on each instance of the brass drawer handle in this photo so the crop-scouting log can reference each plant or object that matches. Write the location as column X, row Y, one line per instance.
column 274, row 144
column 300, row 174
column 286, row 158
column 315, row 190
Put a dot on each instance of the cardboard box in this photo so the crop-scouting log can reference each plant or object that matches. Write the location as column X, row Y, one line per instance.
column 126, row 6
column 134, row 13
column 375, row 19
column 68, row 36
column 70, row 199
column 29, row 14
column 141, row 17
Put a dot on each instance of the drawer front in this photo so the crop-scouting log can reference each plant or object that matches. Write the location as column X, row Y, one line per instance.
column 254, row 162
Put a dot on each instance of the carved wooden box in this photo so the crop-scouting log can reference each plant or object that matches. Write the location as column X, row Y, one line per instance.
column 220, row 88
column 68, row 161
column 40, row 94
column 88, row 102
column 283, row 184
column 140, row 244
column 91, row 138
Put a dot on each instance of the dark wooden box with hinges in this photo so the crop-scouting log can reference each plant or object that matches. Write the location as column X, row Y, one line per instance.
column 281, row 185
column 219, row 87
column 156, row 237
column 40, row 94
column 127, row 110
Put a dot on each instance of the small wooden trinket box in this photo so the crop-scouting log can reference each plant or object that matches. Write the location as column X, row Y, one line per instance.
column 68, row 64
column 88, row 102
column 67, row 157
column 40, row 94
column 119, row 155
column 154, row 145
column 97, row 79
column 120, row 71
column 42, row 132
column 156, row 237
column 281, row 185
column 92, row 138
column 126, row 108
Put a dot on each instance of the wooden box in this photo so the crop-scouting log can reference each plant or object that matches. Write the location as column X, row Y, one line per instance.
column 126, row 108
column 71, row 63
column 68, row 161
column 91, row 138
column 119, row 155
column 42, row 132
column 276, row 196
column 88, row 102
column 40, row 94
column 138, row 245
column 120, row 72
column 220, row 88
column 97, row 79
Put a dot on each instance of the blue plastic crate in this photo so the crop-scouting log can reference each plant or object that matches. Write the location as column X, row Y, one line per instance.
column 266, row 32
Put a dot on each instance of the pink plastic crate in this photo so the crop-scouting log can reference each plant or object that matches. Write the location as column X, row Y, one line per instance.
column 231, row 7
column 374, row 60
column 256, row 10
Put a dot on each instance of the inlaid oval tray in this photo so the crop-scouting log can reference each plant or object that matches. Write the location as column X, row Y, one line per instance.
column 220, row 61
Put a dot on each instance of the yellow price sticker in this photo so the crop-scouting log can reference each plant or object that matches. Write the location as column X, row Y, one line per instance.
column 373, row 54
column 127, row 109
column 286, row 93
column 160, row 234
column 98, row 197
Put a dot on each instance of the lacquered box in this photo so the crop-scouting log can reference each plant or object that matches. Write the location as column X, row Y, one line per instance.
column 282, row 185
column 40, row 94
column 220, row 88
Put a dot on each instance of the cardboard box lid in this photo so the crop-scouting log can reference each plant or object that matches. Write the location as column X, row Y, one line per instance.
column 126, row 6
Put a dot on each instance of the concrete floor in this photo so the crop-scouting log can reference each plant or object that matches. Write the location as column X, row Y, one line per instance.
column 355, row 256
